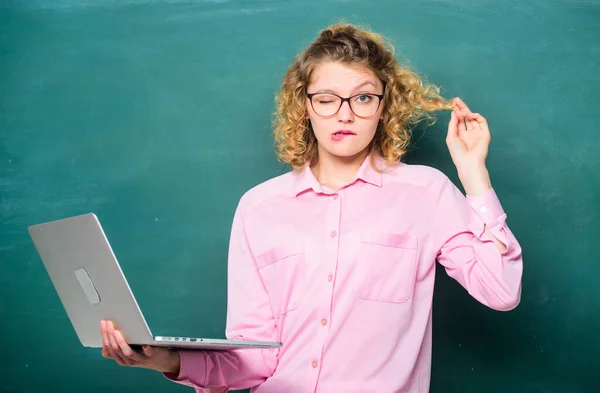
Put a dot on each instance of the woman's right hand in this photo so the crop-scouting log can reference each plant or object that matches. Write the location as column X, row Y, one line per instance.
column 155, row 358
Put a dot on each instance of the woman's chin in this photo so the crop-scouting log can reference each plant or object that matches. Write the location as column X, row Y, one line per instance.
column 346, row 152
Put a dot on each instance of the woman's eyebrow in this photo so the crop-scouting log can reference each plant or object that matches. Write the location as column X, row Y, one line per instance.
column 364, row 84
column 354, row 89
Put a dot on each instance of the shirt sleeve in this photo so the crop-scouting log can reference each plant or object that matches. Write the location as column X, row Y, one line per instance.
column 469, row 254
column 249, row 317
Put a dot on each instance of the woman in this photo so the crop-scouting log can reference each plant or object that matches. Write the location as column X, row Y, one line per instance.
column 336, row 259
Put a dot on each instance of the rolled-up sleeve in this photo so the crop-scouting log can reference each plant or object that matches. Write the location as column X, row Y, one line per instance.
column 470, row 255
column 249, row 317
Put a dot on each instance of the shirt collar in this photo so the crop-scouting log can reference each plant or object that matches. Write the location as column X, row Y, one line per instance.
column 305, row 180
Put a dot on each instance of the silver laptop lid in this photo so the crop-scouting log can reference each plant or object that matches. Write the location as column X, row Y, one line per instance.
column 88, row 279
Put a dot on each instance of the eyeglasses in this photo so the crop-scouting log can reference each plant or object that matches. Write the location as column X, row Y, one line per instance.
column 329, row 104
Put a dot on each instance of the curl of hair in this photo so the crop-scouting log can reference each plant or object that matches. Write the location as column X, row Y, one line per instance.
column 407, row 99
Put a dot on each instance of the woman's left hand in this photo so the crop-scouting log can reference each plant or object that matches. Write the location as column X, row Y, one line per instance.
column 468, row 141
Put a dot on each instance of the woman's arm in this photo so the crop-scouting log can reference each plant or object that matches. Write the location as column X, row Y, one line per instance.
column 475, row 244
column 249, row 317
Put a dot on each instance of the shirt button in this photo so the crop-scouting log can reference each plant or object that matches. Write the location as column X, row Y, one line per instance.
column 484, row 209
column 335, row 196
column 323, row 322
column 314, row 364
column 330, row 277
column 333, row 233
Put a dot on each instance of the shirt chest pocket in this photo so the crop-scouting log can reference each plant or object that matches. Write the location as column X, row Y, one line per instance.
column 387, row 266
column 282, row 270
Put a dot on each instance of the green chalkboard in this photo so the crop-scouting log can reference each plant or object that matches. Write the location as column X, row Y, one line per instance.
column 156, row 116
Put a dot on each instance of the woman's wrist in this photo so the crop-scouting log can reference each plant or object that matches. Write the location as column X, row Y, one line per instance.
column 475, row 181
column 174, row 362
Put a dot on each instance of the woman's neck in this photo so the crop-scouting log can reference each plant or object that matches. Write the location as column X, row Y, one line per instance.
column 334, row 172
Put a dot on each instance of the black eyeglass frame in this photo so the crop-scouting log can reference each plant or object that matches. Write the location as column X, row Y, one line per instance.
column 343, row 99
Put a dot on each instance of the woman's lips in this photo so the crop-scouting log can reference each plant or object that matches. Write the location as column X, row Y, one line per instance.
column 341, row 134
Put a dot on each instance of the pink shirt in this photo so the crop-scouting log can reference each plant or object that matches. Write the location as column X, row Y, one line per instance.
column 344, row 279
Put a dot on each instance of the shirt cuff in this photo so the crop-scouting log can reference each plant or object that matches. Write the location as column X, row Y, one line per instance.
column 192, row 368
column 485, row 210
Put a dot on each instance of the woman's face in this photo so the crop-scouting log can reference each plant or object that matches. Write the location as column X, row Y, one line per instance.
column 343, row 134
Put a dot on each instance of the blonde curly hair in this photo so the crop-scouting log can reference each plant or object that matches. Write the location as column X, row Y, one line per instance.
column 407, row 100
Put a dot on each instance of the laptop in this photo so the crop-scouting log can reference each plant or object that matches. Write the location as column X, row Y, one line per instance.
column 92, row 287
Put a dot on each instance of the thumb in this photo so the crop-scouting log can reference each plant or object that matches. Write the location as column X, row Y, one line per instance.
column 148, row 351
column 452, row 126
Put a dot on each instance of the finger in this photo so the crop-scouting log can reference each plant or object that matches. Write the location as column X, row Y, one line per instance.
column 125, row 348
column 472, row 116
column 105, row 339
column 116, row 348
column 111, row 336
column 467, row 114
column 462, row 105
column 121, row 361
column 473, row 125
column 455, row 104
column 479, row 119
column 452, row 126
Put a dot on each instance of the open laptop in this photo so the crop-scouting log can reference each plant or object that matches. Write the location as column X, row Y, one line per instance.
column 91, row 286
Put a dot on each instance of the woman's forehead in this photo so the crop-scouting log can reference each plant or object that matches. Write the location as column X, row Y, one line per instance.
column 330, row 74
